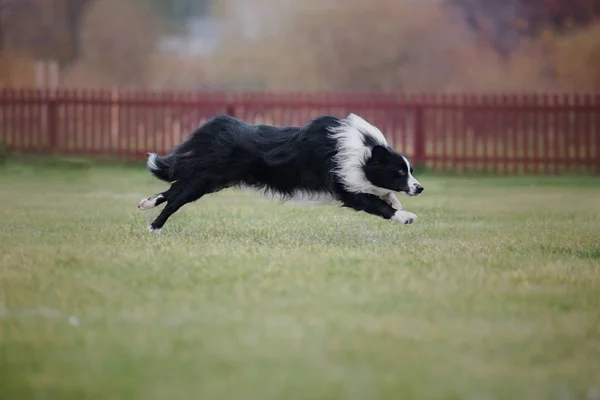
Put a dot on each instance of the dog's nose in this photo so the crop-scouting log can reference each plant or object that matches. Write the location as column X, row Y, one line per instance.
column 419, row 189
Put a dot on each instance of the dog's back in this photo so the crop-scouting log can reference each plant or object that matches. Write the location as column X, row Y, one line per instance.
column 232, row 152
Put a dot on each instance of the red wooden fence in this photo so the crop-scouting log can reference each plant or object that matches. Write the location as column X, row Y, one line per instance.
column 498, row 133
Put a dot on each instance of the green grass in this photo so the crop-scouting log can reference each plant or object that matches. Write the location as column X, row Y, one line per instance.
column 494, row 293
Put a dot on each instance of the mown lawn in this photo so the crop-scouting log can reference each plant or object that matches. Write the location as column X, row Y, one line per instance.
column 494, row 293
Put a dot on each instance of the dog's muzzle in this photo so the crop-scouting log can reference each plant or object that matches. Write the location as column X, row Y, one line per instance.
column 416, row 190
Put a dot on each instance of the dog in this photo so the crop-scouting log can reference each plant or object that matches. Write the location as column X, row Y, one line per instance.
column 347, row 160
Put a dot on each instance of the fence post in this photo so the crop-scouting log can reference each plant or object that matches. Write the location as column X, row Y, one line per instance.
column 596, row 129
column 114, row 119
column 230, row 105
column 419, row 157
column 230, row 110
column 52, row 107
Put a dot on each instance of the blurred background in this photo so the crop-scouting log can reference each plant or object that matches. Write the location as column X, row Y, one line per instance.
column 367, row 45
column 458, row 85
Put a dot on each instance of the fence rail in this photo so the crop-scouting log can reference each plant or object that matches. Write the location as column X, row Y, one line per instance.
column 497, row 133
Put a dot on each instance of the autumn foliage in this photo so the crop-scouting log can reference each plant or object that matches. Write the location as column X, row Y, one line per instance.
column 375, row 45
column 387, row 45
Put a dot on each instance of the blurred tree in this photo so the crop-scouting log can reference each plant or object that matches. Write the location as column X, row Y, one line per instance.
column 502, row 23
column 492, row 21
column 43, row 28
column 118, row 39
column 177, row 12
column 378, row 45
column 575, row 58
column 559, row 14
column 386, row 45
column 74, row 10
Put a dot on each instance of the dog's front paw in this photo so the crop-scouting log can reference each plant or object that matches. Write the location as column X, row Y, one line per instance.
column 404, row 217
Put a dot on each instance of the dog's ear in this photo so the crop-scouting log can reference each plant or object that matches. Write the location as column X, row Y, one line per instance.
column 380, row 153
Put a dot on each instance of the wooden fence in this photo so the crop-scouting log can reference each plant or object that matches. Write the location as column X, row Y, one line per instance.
column 494, row 133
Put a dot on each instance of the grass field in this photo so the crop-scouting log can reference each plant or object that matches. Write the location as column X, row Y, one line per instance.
column 494, row 293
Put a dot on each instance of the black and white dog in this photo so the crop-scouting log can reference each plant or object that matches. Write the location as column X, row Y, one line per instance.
column 345, row 159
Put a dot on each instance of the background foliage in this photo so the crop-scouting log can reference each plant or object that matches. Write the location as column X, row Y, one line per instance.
column 378, row 45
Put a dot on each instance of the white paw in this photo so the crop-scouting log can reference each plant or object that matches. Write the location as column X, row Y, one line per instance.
column 149, row 202
column 404, row 217
column 152, row 230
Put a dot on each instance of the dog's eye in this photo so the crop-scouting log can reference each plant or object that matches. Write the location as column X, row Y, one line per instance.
column 402, row 172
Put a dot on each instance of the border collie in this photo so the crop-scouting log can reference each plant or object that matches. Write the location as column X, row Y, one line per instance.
column 347, row 160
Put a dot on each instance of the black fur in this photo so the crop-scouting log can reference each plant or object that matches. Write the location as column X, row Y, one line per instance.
column 283, row 161
column 377, row 169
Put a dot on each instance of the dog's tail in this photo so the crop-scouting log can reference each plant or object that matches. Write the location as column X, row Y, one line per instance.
column 161, row 167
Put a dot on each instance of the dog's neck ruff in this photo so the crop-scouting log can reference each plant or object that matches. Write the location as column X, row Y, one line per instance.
column 352, row 153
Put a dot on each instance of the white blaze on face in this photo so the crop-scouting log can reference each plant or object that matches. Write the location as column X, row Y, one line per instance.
column 413, row 184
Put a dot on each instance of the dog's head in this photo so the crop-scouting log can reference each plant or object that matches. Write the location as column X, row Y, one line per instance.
column 388, row 169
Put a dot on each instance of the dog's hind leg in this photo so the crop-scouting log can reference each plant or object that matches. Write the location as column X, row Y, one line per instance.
column 158, row 199
column 152, row 201
column 175, row 200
